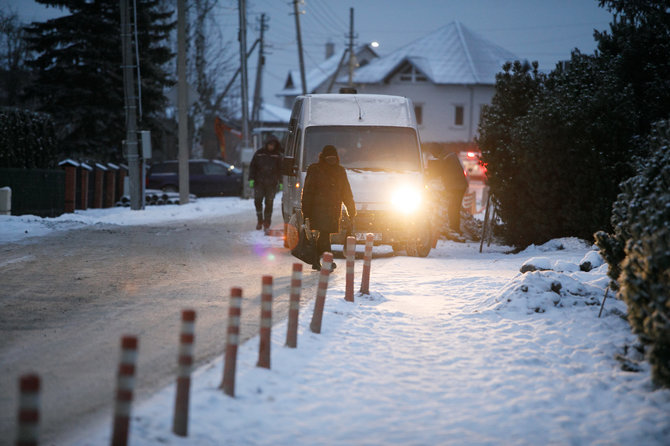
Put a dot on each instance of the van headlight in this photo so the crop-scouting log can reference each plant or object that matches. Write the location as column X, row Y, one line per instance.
column 407, row 199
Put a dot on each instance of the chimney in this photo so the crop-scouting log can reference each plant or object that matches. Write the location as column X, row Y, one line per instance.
column 330, row 49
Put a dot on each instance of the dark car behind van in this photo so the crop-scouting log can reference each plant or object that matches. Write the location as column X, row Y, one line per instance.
column 206, row 177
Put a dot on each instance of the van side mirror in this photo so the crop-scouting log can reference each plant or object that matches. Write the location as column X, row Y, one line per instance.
column 288, row 166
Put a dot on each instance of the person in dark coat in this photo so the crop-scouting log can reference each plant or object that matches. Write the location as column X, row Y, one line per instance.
column 264, row 175
column 455, row 184
column 326, row 188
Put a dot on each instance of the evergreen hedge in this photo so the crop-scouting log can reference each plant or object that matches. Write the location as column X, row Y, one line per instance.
column 638, row 252
column 556, row 147
column 27, row 140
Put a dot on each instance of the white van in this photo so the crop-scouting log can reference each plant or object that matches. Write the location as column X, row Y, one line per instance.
column 378, row 144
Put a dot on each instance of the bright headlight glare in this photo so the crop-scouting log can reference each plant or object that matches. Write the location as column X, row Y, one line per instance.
column 406, row 199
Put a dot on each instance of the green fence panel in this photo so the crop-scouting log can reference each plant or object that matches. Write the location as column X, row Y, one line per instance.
column 38, row 192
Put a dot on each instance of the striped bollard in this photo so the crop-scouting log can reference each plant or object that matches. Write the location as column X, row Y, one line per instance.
column 294, row 306
column 350, row 250
column 232, row 341
column 367, row 260
column 184, row 366
column 125, row 384
column 29, row 411
column 320, row 301
column 266, row 323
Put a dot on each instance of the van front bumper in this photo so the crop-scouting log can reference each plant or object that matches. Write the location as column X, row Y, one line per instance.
column 387, row 227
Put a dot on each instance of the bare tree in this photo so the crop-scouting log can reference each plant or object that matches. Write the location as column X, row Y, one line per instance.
column 210, row 63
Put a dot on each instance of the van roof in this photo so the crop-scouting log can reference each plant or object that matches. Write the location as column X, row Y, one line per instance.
column 358, row 109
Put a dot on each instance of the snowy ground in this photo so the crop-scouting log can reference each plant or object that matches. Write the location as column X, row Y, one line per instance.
column 457, row 348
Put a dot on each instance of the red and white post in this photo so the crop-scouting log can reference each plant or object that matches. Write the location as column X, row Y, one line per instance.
column 184, row 367
column 294, row 306
column 232, row 341
column 125, row 385
column 367, row 261
column 320, row 301
column 29, row 411
column 266, row 323
column 350, row 250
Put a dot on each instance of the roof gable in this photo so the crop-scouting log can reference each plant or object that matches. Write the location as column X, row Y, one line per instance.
column 452, row 54
column 321, row 73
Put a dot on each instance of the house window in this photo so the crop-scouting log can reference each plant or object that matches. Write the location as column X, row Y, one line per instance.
column 458, row 115
column 410, row 74
column 418, row 111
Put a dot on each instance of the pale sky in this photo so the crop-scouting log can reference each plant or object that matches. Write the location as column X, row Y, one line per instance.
column 542, row 30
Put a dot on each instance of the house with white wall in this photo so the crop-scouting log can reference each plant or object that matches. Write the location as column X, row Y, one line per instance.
column 449, row 74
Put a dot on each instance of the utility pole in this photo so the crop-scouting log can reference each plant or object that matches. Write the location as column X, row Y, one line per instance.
column 255, row 111
column 352, row 57
column 244, row 80
column 246, row 151
column 132, row 153
column 300, row 57
column 182, row 103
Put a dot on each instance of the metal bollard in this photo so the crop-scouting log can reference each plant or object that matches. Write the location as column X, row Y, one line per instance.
column 29, row 411
column 367, row 260
column 184, row 367
column 350, row 250
column 232, row 341
column 266, row 323
column 294, row 306
column 125, row 385
column 320, row 301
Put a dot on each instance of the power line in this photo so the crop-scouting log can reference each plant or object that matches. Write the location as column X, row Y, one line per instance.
column 342, row 23
column 323, row 16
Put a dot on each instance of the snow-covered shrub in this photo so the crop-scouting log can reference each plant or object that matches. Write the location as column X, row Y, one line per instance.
column 27, row 140
column 638, row 253
column 542, row 291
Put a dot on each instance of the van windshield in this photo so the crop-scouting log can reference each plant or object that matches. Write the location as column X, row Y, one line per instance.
column 365, row 147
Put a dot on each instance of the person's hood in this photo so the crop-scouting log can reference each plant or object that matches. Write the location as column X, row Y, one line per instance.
column 270, row 139
column 329, row 150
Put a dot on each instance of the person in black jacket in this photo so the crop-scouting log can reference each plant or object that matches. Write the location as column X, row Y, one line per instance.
column 455, row 184
column 326, row 188
column 264, row 175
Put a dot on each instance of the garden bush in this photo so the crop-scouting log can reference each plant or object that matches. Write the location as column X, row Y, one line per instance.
column 638, row 252
column 27, row 140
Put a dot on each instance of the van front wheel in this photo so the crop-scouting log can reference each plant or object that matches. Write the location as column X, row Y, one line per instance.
column 421, row 246
column 398, row 248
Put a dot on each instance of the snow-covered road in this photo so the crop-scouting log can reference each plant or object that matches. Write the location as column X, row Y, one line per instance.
column 456, row 348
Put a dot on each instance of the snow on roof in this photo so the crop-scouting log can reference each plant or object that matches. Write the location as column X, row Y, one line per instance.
column 70, row 162
column 316, row 76
column 358, row 109
column 273, row 113
column 453, row 54
column 268, row 113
